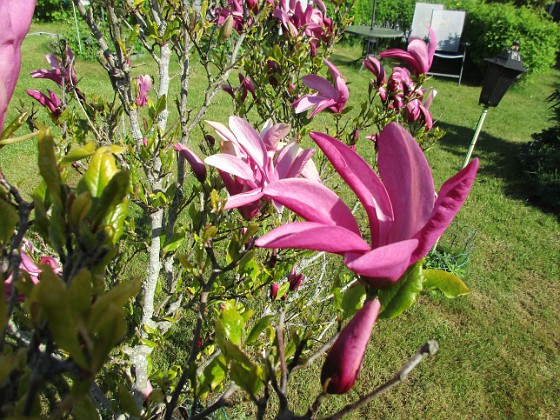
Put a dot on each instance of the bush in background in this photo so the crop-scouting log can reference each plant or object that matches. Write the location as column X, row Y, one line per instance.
column 541, row 160
column 52, row 10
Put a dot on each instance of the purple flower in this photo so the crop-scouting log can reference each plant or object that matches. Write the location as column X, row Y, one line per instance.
column 327, row 96
column 16, row 19
column 418, row 55
column 372, row 64
column 144, row 84
column 52, row 101
column 59, row 73
column 247, row 165
column 406, row 217
column 345, row 357
column 295, row 280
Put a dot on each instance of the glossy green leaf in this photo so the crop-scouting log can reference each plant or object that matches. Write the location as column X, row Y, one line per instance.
column 80, row 291
column 174, row 242
column 13, row 126
column 109, row 331
column 352, row 300
column 401, row 295
column 102, row 167
column 247, row 376
column 48, row 167
column 448, row 283
column 259, row 328
column 233, row 323
column 112, row 195
column 8, row 221
column 283, row 289
column 79, row 153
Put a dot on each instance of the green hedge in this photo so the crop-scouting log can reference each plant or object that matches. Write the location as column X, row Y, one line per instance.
column 493, row 27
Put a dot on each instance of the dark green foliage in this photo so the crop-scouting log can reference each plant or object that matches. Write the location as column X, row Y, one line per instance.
column 491, row 28
column 541, row 160
column 52, row 10
column 387, row 13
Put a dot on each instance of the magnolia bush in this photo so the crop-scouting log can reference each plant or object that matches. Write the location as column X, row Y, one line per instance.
column 222, row 217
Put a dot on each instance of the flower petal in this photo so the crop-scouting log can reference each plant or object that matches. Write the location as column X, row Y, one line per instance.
column 385, row 264
column 451, row 197
column 313, row 236
column 230, row 164
column 312, row 201
column 249, row 140
column 408, row 180
column 243, row 199
column 321, row 85
column 363, row 181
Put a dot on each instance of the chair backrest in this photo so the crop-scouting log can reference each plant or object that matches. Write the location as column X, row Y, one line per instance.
column 422, row 18
column 448, row 27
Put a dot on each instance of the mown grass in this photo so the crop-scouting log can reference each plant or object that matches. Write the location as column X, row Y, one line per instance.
column 499, row 346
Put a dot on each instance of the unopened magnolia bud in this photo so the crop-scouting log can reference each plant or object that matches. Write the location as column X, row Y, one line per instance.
column 344, row 360
column 227, row 27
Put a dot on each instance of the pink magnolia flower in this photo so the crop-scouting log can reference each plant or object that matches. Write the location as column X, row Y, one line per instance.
column 373, row 65
column 60, row 73
column 16, row 19
column 247, row 166
column 52, row 101
column 246, row 85
column 196, row 163
column 345, row 357
column 144, row 84
column 406, row 217
column 327, row 96
column 28, row 266
column 418, row 56
column 416, row 110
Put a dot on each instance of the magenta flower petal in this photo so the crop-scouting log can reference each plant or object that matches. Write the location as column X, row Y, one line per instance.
column 385, row 264
column 451, row 197
column 244, row 198
column 249, row 140
column 363, row 181
column 408, row 180
column 321, row 85
column 231, row 164
column 314, row 236
column 344, row 361
column 312, row 201
column 16, row 19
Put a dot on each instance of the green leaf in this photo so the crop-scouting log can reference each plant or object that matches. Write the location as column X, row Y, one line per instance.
column 448, row 283
column 48, row 167
column 352, row 300
column 174, row 242
column 8, row 221
column 112, row 195
column 80, row 153
column 80, row 291
column 233, row 323
column 126, row 400
column 51, row 295
column 84, row 408
column 401, row 295
column 247, row 376
column 282, row 290
column 102, row 167
column 259, row 328
column 212, row 376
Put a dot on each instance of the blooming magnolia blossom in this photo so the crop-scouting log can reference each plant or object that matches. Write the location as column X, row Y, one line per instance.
column 418, row 56
column 144, row 84
column 406, row 217
column 246, row 85
column 312, row 21
column 416, row 110
column 345, row 357
column 16, row 20
column 51, row 101
column 333, row 97
column 60, row 73
column 249, row 161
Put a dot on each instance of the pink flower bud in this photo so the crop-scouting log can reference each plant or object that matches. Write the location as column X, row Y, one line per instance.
column 196, row 163
column 295, row 280
column 274, row 290
column 344, row 360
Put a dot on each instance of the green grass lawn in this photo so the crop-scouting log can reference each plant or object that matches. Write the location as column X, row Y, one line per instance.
column 499, row 346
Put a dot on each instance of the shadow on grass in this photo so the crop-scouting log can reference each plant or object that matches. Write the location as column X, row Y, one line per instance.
column 499, row 159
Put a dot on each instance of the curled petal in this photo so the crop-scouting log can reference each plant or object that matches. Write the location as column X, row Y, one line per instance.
column 196, row 163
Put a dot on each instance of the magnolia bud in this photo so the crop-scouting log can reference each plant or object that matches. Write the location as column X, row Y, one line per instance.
column 227, row 27
column 344, row 360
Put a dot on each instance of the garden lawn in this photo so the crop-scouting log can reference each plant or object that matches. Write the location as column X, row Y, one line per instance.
column 499, row 346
